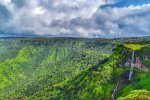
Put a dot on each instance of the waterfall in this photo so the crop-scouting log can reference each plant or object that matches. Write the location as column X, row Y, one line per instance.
column 132, row 65
column 115, row 90
column 121, row 81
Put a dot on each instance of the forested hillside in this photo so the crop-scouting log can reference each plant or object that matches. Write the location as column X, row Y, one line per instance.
column 138, row 88
column 94, row 83
column 98, row 82
column 73, row 69
column 28, row 65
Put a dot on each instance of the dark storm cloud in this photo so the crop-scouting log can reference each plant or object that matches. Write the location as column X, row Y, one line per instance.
column 19, row 3
column 5, row 15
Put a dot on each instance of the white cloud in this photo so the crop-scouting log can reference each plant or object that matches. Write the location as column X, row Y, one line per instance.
column 126, row 21
column 8, row 4
column 37, row 17
column 81, row 18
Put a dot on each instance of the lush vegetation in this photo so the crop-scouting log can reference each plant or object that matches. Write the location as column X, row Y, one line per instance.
column 99, row 81
column 137, row 95
column 70, row 69
column 28, row 65
column 95, row 83
column 134, row 46
column 140, row 79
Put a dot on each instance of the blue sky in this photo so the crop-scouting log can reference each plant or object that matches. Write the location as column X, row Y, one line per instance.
column 75, row 18
column 126, row 3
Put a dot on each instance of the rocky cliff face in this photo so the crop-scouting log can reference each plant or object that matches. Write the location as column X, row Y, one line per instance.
column 140, row 79
column 137, row 64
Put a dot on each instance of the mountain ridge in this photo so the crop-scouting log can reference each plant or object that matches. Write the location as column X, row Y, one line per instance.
column 83, row 94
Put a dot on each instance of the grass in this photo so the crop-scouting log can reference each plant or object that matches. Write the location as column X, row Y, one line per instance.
column 134, row 46
column 141, row 81
column 137, row 95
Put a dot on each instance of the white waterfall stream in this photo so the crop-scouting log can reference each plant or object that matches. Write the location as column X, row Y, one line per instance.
column 132, row 65
column 120, row 81
column 115, row 90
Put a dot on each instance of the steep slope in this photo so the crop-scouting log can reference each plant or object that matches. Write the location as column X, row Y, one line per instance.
column 137, row 95
column 98, row 82
column 69, row 69
column 141, row 79
column 95, row 83
column 9, row 48
column 38, row 63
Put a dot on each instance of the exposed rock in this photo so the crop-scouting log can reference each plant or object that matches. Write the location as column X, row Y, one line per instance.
column 138, row 64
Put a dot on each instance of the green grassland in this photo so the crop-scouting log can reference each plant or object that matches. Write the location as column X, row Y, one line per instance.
column 134, row 46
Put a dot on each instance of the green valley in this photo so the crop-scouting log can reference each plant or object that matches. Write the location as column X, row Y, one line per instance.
column 28, row 65
column 73, row 69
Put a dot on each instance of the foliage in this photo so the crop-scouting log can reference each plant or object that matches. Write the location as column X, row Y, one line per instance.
column 69, row 69
column 137, row 95
column 140, row 80
column 134, row 46
column 94, row 83
column 34, row 64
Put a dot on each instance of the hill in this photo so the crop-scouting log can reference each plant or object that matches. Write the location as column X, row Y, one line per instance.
column 70, row 69
column 29, row 65
column 98, row 82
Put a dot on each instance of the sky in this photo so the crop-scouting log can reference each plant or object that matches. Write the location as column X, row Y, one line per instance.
column 75, row 18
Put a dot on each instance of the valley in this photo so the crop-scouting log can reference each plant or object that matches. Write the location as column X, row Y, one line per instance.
column 74, row 69
column 74, row 50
